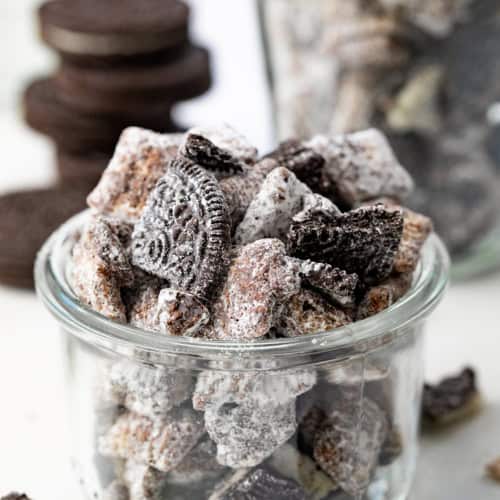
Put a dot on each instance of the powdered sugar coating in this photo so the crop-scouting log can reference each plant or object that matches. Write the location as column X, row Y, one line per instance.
column 214, row 388
column 141, row 158
column 184, row 232
column 348, row 445
column 259, row 280
column 150, row 391
column 220, row 149
column 239, row 190
column 161, row 443
column 248, row 434
column 362, row 166
column 99, row 267
column 270, row 213
column 316, row 204
column 307, row 313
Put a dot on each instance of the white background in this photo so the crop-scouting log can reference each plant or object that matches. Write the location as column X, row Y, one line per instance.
column 34, row 456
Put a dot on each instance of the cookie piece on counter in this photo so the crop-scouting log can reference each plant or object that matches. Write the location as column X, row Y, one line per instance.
column 453, row 399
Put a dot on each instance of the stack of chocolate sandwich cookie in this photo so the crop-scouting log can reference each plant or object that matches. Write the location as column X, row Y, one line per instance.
column 122, row 63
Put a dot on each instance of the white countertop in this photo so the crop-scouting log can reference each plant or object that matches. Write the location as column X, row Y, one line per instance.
column 34, row 453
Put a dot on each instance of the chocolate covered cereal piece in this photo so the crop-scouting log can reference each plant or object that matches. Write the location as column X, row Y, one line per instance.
column 270, row 213
column 307, row 313
column 380, row 297
column 363, row 241
column 362, row 166
column 142, row 305
column 220, row 149
column 258, row 484
column 100, row 267
column 258, row 282
column 314, row 205
column 161, row 443
column 335, row 283
column 291, row 463
column 248, row 434
column 200, row 464
column 214, row 388
column 141, row 158
column 453, row 399
column 348, row 445
column 184, row 231
column 150, row 391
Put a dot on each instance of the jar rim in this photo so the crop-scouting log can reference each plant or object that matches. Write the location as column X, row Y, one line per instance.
column 430, row 282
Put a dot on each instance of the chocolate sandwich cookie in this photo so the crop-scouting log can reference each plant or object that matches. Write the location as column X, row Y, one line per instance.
column 28, row 218
column 96, row 32
column 77, row 132
column 81, row 168
column 133, row 88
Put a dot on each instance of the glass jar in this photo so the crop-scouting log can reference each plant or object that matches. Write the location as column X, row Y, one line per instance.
column 332, row 415
column 423, row 71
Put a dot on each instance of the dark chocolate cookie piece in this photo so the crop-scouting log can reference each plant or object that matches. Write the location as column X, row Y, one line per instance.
column 363, row 241
column 28, row 218
column 15, row 496
column 304, row 162
column 77, row 132
column 452, row 399
column 135, row 89
column 184, row 232
column 86, row 30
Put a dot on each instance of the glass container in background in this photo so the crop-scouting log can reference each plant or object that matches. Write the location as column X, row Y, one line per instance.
column 423, row 71
column 348, row 399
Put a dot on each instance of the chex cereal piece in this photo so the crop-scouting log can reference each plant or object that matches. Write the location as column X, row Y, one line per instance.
column 141, row 158
column 100, row 266
column 161, row 443
column 248, row 434
column 220, row 149
column 338, row 285
column 239, row 190
column 150, row 391
column 259, row 280
column 214, row 388
column 143, row 481
column 142, row 305
column 362, row 166
column 269, row 215
column 363, row 241
column 304, row 162
column 180, row 313
column 338, row 449
column 380, row 297
column 200, row 464
column 453, row 399
column 184, row 231
column 290, row 462
column 258, row 484
column 116, row 491
column 307, row 313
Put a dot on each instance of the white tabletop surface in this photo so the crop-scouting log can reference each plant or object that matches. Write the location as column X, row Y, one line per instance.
column 34, row 453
